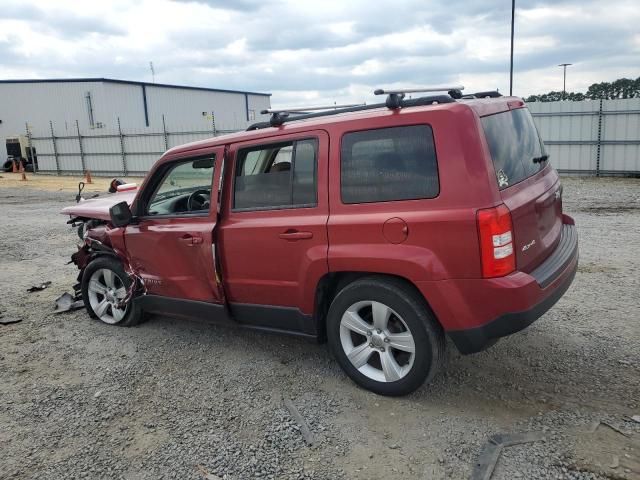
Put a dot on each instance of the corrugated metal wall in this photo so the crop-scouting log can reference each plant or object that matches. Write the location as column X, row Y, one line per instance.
column 65, row 102
column 591, row 137
column 116, row 136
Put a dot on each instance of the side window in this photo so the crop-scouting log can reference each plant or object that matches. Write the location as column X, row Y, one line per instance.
column 185, row 188
column 281, row 175
column 397, row 163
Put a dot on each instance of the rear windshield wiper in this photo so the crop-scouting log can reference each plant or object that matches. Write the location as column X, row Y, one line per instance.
column 541, row 158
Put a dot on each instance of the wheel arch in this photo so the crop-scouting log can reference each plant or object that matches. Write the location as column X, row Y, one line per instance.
column 332, row 283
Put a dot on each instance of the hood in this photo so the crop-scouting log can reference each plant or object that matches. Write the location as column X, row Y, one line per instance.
column 99, row 207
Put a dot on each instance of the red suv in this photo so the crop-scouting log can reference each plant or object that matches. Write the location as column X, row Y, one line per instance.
column 380, row 228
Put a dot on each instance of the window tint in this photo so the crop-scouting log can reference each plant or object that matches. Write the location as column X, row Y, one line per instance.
column 179, row 183
column 513, row 142
column 251, row 163
column 397, row 163
column 276, row 176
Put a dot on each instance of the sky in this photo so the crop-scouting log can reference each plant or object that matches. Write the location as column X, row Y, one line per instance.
column 321, row 52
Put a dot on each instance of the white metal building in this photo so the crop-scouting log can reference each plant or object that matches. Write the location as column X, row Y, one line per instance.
column 98, row 103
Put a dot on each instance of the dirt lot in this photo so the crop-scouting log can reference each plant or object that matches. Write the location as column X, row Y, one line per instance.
column 178, row 399
column 54, row 183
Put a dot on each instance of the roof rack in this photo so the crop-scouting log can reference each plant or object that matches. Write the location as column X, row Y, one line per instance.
column 278, row 117
column 395, row 100
column 396, row 96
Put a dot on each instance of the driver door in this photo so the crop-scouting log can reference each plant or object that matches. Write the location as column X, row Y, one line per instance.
column 171, row 246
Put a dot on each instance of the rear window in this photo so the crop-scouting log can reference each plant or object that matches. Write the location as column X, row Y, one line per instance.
column 386, row 164
column 513, row 142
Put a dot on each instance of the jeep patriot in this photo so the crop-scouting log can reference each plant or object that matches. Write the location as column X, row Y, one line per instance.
column 381, row 229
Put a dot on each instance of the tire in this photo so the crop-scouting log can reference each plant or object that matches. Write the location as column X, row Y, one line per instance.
column 104, row 282
column 378, row 365
column 7, row 166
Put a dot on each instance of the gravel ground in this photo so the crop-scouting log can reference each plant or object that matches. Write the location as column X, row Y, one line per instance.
column 181, row 399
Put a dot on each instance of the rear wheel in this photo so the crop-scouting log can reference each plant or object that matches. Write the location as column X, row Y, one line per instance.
column 105, row 285
column 383, row 336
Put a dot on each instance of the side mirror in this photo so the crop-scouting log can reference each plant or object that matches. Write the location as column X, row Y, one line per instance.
column 120, row 214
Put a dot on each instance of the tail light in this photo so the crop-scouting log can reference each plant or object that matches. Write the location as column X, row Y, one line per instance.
column 496, row 241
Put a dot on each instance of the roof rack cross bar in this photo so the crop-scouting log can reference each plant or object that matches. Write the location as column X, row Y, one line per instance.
column 381, row 91
column 395, row 98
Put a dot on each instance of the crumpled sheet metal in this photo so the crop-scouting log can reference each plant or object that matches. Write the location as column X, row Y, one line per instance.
column 66, row 302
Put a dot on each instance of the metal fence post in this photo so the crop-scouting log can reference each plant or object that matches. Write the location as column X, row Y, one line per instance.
column 122, row 152
column 82, row 163
column 164, row 131
column 55, row 148
column 599, row 148
column 30, row 146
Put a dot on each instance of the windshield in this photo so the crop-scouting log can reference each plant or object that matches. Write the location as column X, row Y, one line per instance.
column 516, row 148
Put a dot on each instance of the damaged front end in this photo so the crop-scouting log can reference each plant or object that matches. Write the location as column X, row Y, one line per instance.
column 98, row 237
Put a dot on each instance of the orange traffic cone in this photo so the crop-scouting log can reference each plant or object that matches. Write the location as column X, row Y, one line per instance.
column 14, row 167
column 87, row 176
column 23, row 178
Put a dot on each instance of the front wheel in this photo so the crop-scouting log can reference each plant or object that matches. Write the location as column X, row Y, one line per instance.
column 105, row 285
column 383, row 336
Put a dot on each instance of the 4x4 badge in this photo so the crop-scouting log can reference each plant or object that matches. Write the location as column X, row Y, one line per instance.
column 503, row 180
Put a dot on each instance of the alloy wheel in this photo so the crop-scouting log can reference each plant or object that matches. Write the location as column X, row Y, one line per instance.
column 377, row 341
column 106, row 292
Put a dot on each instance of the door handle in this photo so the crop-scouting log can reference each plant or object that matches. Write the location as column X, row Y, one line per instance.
column 190, row 239
column 293, row 235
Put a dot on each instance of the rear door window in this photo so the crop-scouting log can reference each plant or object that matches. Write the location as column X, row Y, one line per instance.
column 514, row 143
column 279, row 175
column 386, row 164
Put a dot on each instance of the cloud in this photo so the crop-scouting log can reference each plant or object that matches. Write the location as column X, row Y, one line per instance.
column 63, row 22
column 240, row 5
column 335, row 50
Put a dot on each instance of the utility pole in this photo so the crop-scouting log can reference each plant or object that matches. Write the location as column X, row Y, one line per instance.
column 153, row 73
column 513, row 17
column 564, row 81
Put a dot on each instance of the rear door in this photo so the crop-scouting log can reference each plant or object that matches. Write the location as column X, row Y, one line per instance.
column 273, row 231
column 529, row 186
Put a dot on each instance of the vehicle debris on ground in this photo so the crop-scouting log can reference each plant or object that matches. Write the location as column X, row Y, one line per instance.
column 488, row 458
column 302, row 423
column 8, row 321
column 38, row 288
column 67, row 302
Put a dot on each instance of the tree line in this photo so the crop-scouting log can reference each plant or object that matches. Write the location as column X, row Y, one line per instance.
column 621, row 88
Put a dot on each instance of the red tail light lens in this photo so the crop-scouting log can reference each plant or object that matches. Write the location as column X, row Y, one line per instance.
column 496, row 241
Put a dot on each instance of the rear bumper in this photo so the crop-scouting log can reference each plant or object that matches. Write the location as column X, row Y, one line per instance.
column 476, row 312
